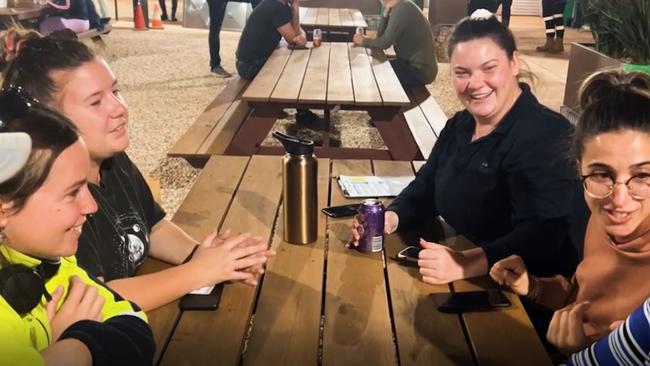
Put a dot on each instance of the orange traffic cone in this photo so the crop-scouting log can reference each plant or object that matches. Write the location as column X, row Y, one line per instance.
column 156, row 22
column 138, row 21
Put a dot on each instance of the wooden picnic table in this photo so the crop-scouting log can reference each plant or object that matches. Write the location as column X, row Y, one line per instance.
column 322, row 303
column 22, row 13
column 337, row 25
column 334, row 74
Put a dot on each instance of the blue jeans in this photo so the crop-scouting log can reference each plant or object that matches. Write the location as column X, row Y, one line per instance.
column 405, row 73
column 248, row 70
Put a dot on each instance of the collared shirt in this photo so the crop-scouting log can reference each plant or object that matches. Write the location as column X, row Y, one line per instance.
column 510, row 191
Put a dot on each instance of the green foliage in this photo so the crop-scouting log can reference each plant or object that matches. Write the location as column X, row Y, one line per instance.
column 621, row 28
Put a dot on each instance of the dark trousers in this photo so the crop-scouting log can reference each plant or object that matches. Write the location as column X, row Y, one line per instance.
column 248, row 70
column 217, row 9
column 405, row 73
column 553, row 14
column 505, row 11
column 163, row 8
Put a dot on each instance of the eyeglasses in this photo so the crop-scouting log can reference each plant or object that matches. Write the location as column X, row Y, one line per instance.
column 14, row 102
column 599, row 185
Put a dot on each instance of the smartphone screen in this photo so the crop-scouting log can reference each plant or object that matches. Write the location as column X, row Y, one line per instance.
column 459, row 302
column 342, row 211
column 409, row 254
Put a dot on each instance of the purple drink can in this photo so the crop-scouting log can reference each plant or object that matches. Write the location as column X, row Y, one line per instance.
column 371, row 215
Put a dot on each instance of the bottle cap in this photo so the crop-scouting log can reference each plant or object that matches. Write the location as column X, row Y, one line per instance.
column 294, row 145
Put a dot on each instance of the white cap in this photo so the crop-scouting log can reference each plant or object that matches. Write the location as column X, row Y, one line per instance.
column 481, row 14
column 15, row 148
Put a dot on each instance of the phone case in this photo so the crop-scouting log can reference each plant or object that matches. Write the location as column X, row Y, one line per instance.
column 341, row 211
column 202, row 302
column 461, row 302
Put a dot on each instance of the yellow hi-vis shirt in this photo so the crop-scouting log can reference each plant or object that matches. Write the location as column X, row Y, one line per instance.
column 22, row 338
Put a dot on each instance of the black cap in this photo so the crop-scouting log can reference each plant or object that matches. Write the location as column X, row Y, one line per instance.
column 294, row 145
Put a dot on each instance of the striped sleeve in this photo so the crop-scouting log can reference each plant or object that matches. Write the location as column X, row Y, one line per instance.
column 629, row 344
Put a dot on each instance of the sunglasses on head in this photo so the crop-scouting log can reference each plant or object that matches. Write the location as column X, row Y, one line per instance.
column 14, row 102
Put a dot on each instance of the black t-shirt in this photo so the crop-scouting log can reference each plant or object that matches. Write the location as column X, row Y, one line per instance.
column 115, row 240
column 510, row 192
column 260, row 35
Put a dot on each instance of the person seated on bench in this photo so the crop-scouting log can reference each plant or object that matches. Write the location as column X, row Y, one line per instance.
column 67, row 76
column 51, row 311
column 404, row 26
column 498, row 173
column 612, row 147
column 268, row 23
column 76, row 15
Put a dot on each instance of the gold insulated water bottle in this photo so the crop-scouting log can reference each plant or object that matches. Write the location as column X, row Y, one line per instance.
column 299, row 189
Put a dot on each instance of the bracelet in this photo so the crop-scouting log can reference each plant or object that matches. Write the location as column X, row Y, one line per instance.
column 189, row 257
column 534, row 288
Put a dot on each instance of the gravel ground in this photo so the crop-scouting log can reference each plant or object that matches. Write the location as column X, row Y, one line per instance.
column 165, row 79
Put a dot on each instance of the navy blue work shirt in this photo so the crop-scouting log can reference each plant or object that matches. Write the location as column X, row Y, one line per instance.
column 509, row 192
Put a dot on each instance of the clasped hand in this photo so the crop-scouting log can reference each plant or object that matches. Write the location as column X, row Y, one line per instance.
column 440, row 264
column 227, row 257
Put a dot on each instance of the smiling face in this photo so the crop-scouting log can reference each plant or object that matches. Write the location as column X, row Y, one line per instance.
column 485, row 79
column 89, row 97
column 49, row 224
column 620, row 154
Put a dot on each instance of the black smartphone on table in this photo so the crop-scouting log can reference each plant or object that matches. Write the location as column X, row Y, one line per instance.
column 206, row 298
column 461, row 302
column 409, row 254
column 342, row 211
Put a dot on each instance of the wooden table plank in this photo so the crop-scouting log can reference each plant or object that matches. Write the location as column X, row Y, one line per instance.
column 505, row 331
column 261, row 88
column 314, row 86
column 339, row 82
column 253, row 209
column 335, row 18
column 346, row 17
column 201, row 212
column 358, row 19
column 290, row 82
column 392, row 92
column 310, row 16
column 323, row 16
column 424, row 335
column 286, row 330
column 357, row 326
column 363, row 79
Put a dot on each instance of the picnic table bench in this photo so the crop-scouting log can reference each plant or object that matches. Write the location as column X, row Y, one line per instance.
column 215, row 127
column 322, row 303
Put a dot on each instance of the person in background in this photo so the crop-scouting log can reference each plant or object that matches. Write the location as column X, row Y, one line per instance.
column 72, row 14
column 498, row 173
column 553, row 15
column 217, row 10
column 269, row 22
column 66, row 75
column 51, row 311
column 404, row 27
column 612, row 147
column 163, row 10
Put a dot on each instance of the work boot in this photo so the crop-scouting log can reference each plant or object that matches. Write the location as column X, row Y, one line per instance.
column 558, row 46
column 548, row 46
